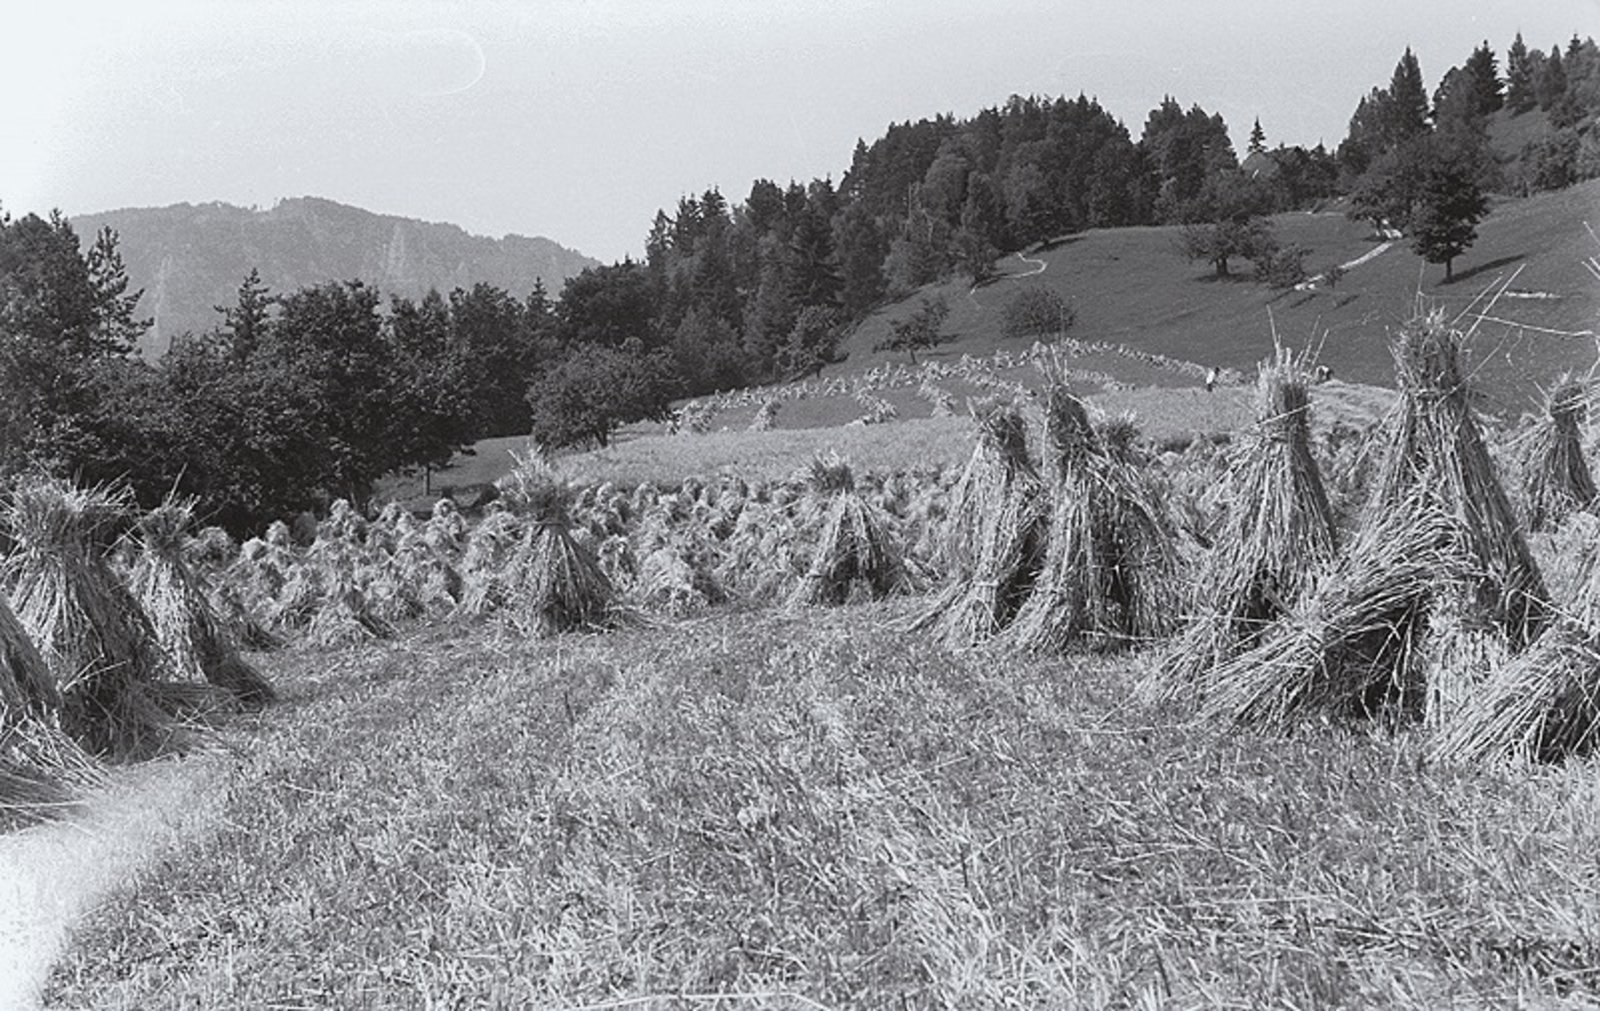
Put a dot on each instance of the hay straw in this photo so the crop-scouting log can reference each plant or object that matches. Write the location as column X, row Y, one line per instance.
column 1435, row 443
column 95, row 639
column 1278, row 531
column 1543, row 704
column 551, row 582
column 993, row 534
column 1107, row 575
column 1556, row 476
column 172, row 593
column 41, row 769
column 1350, row 644
column 855, row 551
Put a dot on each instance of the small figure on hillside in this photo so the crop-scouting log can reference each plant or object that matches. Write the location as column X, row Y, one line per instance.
column 1324, row 373
column 1211, row 379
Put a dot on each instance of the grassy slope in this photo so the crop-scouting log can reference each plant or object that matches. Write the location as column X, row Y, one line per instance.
column 831, row 814
column 1132, row 286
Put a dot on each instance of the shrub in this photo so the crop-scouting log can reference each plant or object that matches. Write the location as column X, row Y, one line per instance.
column 1283, row 268
column 1036, row 311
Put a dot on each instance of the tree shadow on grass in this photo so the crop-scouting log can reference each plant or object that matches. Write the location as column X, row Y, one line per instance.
column 1050, row 245
column 1484, row 267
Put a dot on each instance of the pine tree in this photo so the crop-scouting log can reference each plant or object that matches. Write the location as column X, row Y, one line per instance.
column 1484, row 74
column 245, row 322
column 117, row 328
column 1408, row 102
column 1258, row 138
column 1519, row 78
column 1550, row 87
column 1447, row 208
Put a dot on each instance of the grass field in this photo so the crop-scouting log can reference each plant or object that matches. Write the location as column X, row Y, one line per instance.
column 1132, row 286
column 647, row 454
column 768, row 811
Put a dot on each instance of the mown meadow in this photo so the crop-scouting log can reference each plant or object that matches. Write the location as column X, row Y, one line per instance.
column 1047, row 712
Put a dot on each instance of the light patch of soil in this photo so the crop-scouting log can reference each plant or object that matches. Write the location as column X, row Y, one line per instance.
column 51, row 876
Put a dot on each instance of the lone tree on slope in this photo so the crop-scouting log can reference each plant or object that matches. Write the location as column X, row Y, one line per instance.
column 1446, row 213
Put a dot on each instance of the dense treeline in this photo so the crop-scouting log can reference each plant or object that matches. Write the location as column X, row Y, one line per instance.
column 295, row 398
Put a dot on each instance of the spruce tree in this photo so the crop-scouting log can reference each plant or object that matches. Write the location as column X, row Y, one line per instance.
column 1447, row 208
column 1550, row 87
column 1484, row 74
column 1519, row 78
column 1258, row 138
column 1408, row 101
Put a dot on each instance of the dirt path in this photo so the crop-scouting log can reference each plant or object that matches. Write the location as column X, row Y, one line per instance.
column 1041, row 264
column 1371, row 254
column 53, row 875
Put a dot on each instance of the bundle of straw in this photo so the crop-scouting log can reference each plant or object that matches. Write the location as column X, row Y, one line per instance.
column 1544, row 703
column 1277, row 532
column 176, row 599
column 1435, row 443
column 96, row 641
column 1495, row 604
column 490, row 545
column 1351, row 643
column 344, row 615
column 993, row 538
column 41, row 769
column 1109, row 560
column 853, row 544
column 552, row 583
column 1556, row 477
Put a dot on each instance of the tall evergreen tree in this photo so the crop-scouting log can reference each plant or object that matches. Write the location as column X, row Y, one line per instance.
column 245, row 322
column 1520, row 96
column 1447, row 203
column 1408, row 101
column 1258, row 138
column 1484, row 73
column 1550, row 87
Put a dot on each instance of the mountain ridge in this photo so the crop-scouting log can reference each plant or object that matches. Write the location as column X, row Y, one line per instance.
column 189, row 258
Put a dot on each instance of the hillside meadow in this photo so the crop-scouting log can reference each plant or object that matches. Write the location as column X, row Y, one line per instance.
column 770, row 810
column 760, row 805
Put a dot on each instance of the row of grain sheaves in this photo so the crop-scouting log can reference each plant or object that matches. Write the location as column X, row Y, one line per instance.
column 1431, row 570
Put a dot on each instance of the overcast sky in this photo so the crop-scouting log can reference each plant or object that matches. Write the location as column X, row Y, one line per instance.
column 577, row 119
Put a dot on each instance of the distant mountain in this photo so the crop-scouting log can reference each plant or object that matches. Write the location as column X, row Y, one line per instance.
column 190, row 258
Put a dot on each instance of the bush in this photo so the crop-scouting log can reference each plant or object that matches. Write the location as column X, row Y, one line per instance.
column 1283, row 268
column 1036, row 311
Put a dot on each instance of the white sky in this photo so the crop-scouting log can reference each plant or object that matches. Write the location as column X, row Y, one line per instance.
column 577, row 120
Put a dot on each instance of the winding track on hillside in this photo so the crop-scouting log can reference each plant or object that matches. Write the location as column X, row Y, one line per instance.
column 972, row 291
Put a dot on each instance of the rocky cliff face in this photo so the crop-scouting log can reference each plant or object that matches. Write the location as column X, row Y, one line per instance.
column 191, row 258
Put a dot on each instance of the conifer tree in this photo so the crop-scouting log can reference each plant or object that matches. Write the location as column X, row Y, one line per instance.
column 1519, row 78
column 1447, row 208
column 1408, row 102
column 1484, row 74
column 1258, row 138
column 1550, row 87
